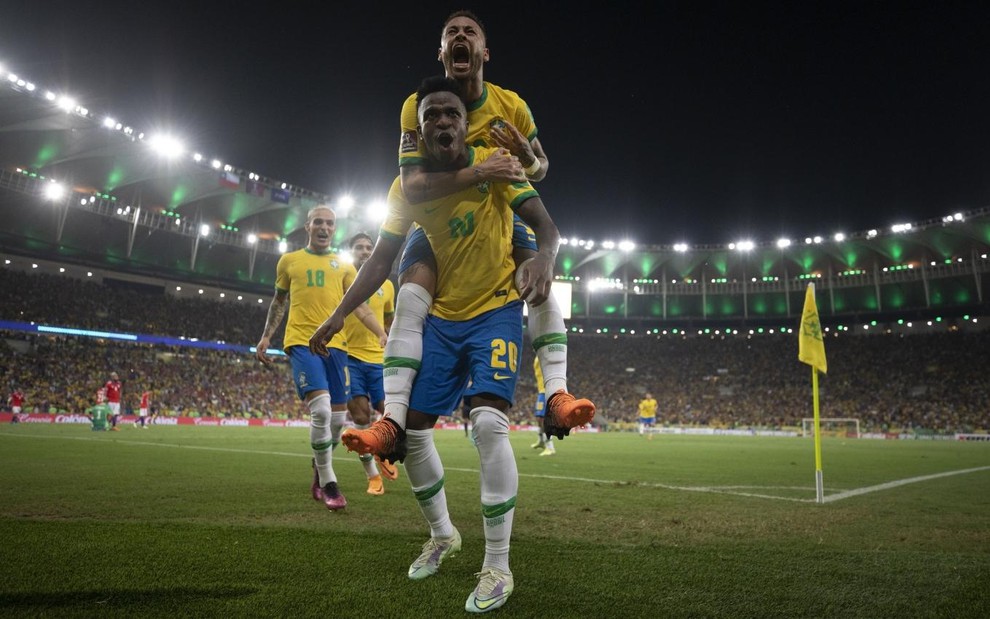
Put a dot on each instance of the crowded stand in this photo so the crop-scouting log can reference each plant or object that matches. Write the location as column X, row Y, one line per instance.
column 926, row 382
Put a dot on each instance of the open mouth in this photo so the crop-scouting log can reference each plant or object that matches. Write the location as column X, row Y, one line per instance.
column 460, row 56
column 445, row 140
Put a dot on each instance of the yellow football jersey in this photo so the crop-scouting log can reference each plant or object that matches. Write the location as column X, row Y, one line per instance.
column 495, row 106
column 471, row 235
column 316, row 283
column 361, row 342
column 538, row 371
column 648, row 408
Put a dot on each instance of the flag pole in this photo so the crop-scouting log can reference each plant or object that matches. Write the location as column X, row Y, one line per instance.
column 819, row 483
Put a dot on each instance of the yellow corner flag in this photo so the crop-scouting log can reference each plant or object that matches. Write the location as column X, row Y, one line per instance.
column 811, row 345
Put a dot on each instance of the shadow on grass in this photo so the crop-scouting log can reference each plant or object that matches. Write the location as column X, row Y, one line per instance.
column 122, row 597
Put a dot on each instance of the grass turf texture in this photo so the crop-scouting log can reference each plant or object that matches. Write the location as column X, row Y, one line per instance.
column 218, row 521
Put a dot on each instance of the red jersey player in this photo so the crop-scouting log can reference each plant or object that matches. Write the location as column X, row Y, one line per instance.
column 113, row 389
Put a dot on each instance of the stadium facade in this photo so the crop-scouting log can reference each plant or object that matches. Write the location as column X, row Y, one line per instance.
column 83, row 189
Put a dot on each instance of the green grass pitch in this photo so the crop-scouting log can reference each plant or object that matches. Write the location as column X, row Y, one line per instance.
column 178, row 521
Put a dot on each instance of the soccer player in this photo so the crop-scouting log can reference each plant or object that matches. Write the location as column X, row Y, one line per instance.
column 472, row 335
column 309, row 284
column 365, row 356
column 647, row 415
column 143, row 408
column 113, row 389
column 16, row 403
column 496, row 117
column 545, row 441
column 99, row 412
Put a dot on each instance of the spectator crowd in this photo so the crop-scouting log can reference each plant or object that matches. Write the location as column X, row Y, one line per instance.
column 932, row 382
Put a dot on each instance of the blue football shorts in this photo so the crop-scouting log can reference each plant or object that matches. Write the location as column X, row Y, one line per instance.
column 366, row 380
column 315, row 373
column 540, row 408
column 484, row 352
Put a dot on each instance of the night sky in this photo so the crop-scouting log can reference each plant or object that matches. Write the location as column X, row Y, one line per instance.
column 663, row 122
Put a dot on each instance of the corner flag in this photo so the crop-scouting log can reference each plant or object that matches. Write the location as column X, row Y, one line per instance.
column 811, row 345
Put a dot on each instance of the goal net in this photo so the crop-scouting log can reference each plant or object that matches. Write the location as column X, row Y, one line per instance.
column 831, row 426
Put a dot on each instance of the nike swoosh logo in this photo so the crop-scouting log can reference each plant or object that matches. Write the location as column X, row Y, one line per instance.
column 484, row 604
column 498, row 376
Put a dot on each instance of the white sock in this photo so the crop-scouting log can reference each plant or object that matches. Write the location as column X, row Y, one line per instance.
column 425, row 473
column 549, row 443
column 404, row 350
column 546, row 327
column 368, row 460
column 320, row 438
column 337, row 420
column 499, row 482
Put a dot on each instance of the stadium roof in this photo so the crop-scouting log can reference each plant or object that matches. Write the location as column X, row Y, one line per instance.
column 140, row 202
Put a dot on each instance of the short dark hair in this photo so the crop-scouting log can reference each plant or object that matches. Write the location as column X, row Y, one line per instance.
column 357, row 237
column 470, row 15
column 438, row 83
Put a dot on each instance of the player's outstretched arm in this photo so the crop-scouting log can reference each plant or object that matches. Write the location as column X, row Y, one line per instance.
column 369, row 279
column 418, row 185
column 276, row 312
column 367, row 317
column 535, row 276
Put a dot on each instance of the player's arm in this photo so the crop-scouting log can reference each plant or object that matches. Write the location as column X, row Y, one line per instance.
column 372, row 275
column 419, row 185
column 535, row 275
column 276, row 312
column 367, row 317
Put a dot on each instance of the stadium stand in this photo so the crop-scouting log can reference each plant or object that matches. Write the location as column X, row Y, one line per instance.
column 926, row 382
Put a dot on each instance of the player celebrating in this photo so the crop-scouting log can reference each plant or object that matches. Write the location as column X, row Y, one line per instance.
column 473, row 332
column 113, row 389
column 496, row 117
column 309, row 283
column 365, row 356
column 647, row 415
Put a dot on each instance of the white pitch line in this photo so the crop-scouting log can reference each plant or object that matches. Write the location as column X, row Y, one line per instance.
column 733, row 490
column 899, row 482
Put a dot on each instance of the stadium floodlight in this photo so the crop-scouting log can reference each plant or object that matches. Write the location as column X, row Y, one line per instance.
column 563, row 241
column 817, row 239
column 178, row 288
column 344, row 204
column 89, row 274
column 608, row 244
column 745, row 245
column 898, row 228
column 839, row 237
column 67, row 104
column 197, row 157
column 54, row 191
column 957, row 216
column 12, row 77
column 109, row 122
column 252, row 238
column 200, row 291
column 30, row 87
column 261, row 301
column 166, row 145
column 34, row 265
column 871, row 233
column 240, row 297
column 285, row 185
column 216, row 164
column 283, row 246
column 627, row 245
column 204, row 230
column 50, row 96
column 61, row 269
column 782, row 243
column 574, row 240
column 223, row 295
column 377, row 210
column 680, row 247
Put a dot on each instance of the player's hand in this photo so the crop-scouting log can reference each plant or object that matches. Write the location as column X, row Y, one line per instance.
column 501, row 167
column 260, row 349
column 510, row 138
column 534, row 278
column 383, row 339
column 330, row 327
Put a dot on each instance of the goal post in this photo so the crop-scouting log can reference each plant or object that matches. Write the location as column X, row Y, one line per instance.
column 844, row 427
